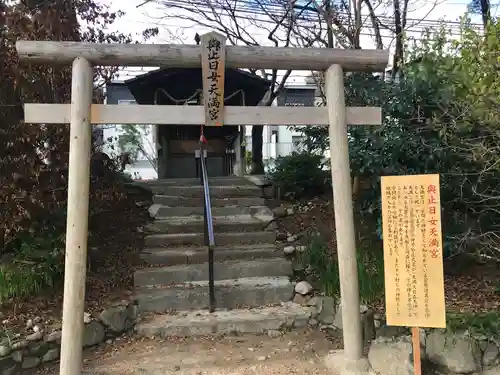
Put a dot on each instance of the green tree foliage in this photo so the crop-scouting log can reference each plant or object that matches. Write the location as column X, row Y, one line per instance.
column 301, row 174
column 34, row 158
column 440, row 115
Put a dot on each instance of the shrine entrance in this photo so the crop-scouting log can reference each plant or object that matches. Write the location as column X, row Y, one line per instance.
column 214, row 56
column 177, row 145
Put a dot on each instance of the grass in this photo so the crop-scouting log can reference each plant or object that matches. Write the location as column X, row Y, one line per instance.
column 477, row 324
column 37, row 264
column 318, row 261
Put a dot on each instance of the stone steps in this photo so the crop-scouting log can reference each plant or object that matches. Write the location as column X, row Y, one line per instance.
column 198, row 239
column 222, row 271
column 222, row 224
column 181, row 201
column 216, row 191
column 216, row 181
column 199, row 254
column 229, row 294
column 232, row 322
column 160, row 212
column 249, row 271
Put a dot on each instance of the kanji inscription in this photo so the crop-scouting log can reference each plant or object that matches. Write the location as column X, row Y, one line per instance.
column 413, row 261
column 213, row 53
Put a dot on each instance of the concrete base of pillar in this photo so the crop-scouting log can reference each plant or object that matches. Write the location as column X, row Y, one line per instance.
column 338, row 364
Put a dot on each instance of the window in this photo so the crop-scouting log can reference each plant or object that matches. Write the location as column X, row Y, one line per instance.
column 296, row 142
column 126, row 101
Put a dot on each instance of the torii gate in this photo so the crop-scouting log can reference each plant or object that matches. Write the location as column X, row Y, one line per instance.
column 81, row 114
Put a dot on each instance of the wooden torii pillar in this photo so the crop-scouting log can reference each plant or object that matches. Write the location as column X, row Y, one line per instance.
column 81, row 114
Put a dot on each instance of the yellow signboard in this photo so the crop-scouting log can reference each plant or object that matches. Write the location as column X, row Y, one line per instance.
column 413, row 260
column 213, row 55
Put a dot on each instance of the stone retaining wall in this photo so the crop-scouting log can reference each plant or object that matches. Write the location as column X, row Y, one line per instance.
column 43, row 344
column 442, row 352
column 390, row 348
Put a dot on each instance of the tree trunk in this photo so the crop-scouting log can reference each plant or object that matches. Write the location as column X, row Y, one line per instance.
column 485, row 12
column 257, row 143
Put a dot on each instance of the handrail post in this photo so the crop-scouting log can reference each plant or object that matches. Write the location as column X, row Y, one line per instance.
column 208, row 229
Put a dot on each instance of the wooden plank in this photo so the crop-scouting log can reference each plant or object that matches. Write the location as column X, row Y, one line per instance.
column 35, row 113
column 213, row 53
column 417, row 357
column 413, row 251
column 189, row 56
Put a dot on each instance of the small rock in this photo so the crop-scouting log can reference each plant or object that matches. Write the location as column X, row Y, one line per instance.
column 291, row 239
column 5, row 321
column 289, row 211
column 20, row 344
column 87, row 318
column 300, row 299
column 37, row 328
column 458, row 353
column 391, row 358
column 490, row 355
column 29, row 324
column 4, row 350
column 303, row 287
column 109, row 342
column 93, row 334
column 328, row 311
column 17, row 356
column 313, row 322
column 273, row 333
column 8, row 366
column 262, row 358
column 289, row 249
column 35, row 336
column 119, row 319
column 38, row 349
column 177, row 368
column 368, row 326
column 54, row 336
column 30, row 362
column 51, row 355
column 280, row 211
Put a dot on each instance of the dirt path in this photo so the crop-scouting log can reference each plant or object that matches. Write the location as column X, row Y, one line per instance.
column 294, row 353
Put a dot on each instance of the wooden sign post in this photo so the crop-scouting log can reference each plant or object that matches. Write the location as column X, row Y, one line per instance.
column 213, row 54
column 413, row 256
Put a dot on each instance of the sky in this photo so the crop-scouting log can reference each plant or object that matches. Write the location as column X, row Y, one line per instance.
column 174, row 30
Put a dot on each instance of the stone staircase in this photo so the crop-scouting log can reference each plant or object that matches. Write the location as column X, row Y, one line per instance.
column 252, row 278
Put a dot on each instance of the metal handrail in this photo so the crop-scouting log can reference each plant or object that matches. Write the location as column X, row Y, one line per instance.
column 208, row 229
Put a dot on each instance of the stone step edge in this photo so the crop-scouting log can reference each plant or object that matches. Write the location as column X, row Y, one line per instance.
column 217, row 219
column 196, row 234
column 287, row 315
column 183, row 267
column 244, row 282
column 195, row 249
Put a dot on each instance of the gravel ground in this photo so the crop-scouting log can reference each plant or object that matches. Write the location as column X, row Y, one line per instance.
column 292, row 353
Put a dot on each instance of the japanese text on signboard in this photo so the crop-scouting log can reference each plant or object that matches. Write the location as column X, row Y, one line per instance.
column 213, row 54
column 412, row 251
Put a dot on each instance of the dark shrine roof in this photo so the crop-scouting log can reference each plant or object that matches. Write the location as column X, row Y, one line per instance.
column 181, row 83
